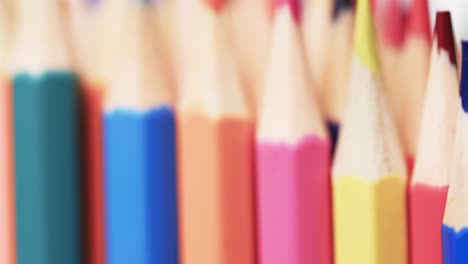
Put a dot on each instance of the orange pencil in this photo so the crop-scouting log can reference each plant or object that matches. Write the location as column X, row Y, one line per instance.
column 7, row 224
column 215, row 148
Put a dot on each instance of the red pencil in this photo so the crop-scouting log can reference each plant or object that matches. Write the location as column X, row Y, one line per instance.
column 415, row 65
column 429, row 185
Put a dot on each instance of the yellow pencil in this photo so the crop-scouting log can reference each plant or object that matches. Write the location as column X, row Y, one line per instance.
column 369, row 175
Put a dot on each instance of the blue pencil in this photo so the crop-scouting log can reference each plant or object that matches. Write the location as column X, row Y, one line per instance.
column 455, row 226
column 139, row 150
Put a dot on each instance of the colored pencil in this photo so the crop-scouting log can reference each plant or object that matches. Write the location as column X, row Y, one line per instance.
column 415, row 65
column 139, row 147
column 316, row 34
column 7, row 214
column 390, row 25
column 45, row 102
column 369, row 174
column 84, row 16
column 338, row 70
column 215, row 145
column 455, row 225
column 165, row 19
column 293, row 155
column 429, row 184
column 251, row 20
column 458, row 10
column 109, row 16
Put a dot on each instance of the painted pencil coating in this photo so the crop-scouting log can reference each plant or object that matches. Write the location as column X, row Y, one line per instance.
column 427, row 206
column 216, row 183
column 294, row 201
column 365, row 212
column 140, row 186
column 455, row 245
column 7, row 202
column 47, row 168
column 93, row 173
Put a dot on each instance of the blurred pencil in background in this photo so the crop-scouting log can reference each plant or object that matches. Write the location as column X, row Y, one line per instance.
column 7, row 203
column 429, row 184
column 454, row 229
column 45, row 94
column 458, row 10
column 164, row 17
column 369, row 193
column 139, row 129
column 415, row 64
column 337, row 72
column 293, row 155
column 390, row 25
column 315, row 26
column 251, row 32
column 215, row 148
column 84, row 22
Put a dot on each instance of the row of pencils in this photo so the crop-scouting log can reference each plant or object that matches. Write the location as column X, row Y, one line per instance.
column 136, row 131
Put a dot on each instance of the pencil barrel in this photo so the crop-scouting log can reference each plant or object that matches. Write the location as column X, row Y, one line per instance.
column 48, row 208
column 426, row 211
column 294, row 202
column 7, row 203
column 93, row 173
column 370, row 220
column 140, row 186
column 455, row 244
column 216, row 190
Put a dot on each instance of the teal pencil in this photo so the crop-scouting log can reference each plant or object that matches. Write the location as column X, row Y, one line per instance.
column 46, row 139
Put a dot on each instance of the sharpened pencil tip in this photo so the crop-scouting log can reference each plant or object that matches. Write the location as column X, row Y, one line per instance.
column 443, row 33
column 418, row 20
column 216, row 5
column 364, row 36
column 341, row 6
column 464, row 76
column 390, row 23
column 293, row 5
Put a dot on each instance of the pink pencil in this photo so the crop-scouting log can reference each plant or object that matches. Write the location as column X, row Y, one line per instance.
column 293, row 152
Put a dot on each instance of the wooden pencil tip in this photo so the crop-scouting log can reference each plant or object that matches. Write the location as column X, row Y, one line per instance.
column 443, row 33
column 390, row 22
column 341, row 6
column 464, row 76
column 364, row 36
column 216, row 5
column 293, row 5
column 418, row 20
